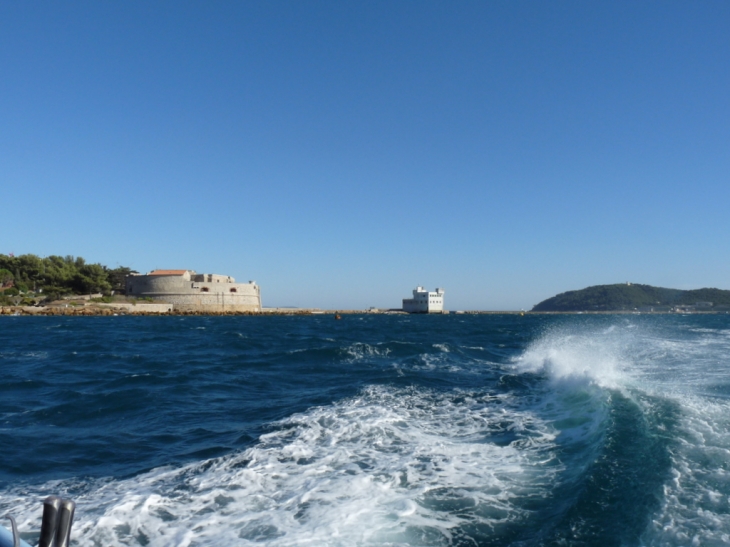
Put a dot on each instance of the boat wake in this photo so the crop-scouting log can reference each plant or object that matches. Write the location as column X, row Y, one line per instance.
column 388, row 467
column 596, row 433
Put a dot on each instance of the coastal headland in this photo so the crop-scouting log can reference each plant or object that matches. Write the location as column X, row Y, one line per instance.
column 633, row 297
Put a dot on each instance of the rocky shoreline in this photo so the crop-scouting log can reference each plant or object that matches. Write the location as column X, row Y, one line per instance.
column 106, row 311
column 94, row 311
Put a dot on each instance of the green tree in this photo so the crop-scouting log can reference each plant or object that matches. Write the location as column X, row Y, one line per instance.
column 117, row 277
column 30, row 270
column 6, row 277
column 60, row 275
column 90, row 278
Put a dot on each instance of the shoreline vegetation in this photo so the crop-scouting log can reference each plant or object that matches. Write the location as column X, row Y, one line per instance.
column 31, row 280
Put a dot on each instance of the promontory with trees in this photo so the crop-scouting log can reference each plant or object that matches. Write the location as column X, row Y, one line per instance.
column 636, row 297
column 31, row 277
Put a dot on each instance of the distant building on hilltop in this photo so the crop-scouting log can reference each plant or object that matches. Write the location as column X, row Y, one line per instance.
column 424, row 301
column 190, row 291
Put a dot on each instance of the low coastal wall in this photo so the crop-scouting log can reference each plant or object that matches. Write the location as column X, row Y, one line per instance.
column 214, row 302
column 148, row 308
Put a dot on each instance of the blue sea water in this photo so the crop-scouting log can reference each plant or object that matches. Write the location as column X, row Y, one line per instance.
column 463, row 430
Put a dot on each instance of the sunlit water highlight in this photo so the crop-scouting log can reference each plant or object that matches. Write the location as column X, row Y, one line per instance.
column 373, row 430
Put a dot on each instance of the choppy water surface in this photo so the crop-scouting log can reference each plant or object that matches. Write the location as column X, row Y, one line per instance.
column 370, row 431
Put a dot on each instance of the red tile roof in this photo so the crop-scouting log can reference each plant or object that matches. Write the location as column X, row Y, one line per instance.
column 168, row 272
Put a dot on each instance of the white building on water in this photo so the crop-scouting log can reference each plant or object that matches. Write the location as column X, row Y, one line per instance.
column 424, row 301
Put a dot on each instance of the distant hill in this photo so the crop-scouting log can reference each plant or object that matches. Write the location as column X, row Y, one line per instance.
column 629, row 296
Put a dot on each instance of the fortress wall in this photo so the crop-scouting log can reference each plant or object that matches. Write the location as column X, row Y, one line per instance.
column 213, row 278
column 187, row 295
column 140, row 285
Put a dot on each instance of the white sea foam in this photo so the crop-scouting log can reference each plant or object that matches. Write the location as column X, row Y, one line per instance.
column 695, row 508
column 588, row 356
column 388, row 467
column 360, row 350
column 690, row 368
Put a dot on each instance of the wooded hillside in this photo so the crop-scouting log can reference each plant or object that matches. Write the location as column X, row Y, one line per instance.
column 625, row 296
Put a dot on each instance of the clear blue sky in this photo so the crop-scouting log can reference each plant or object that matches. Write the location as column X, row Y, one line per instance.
column 341, row 153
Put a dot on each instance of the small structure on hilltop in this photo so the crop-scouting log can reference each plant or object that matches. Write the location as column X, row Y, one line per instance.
column 190, row 291
column 424, row 301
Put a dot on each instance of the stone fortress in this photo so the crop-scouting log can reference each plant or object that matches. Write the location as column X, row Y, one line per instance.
column 190, row 291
